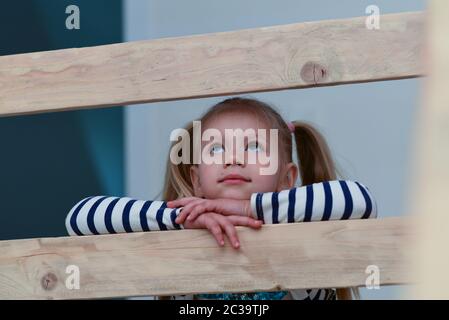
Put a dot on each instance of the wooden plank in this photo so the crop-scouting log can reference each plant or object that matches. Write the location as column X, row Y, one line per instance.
column 289, row 56
column 429, row 186
column 302, row 255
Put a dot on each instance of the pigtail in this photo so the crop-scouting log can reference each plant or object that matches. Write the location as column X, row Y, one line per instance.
column 315, row 160
column 177, row 176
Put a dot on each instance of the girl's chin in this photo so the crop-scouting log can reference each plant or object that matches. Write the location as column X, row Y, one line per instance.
column 235, row 194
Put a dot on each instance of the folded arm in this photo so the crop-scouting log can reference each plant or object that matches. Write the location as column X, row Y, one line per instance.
column 104, row 214
column 330, row 200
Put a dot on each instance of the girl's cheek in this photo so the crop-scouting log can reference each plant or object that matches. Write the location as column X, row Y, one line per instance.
column 265, row 183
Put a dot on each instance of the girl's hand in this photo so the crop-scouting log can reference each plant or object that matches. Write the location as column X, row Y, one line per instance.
column 193, row 207
column 217, row 223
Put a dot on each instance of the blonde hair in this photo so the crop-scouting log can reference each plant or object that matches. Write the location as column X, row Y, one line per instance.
column 315, row 161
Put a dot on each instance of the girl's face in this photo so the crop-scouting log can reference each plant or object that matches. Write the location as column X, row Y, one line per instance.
column 212, row 181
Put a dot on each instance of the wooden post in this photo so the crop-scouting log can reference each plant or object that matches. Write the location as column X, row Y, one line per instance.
column 430, row 184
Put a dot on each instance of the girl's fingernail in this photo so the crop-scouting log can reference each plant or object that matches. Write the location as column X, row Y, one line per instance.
column 222, row 242
column 237, row 244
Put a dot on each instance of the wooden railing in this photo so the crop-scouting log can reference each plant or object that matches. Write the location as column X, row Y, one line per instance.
column 290, row 256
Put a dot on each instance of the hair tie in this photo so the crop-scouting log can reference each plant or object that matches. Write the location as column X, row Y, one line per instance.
column 291, row 127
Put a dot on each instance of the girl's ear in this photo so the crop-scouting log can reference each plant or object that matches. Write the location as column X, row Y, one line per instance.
column 195, row 178
column 289, row 176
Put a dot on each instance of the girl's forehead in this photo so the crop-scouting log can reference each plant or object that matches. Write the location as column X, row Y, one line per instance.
column 235, row 120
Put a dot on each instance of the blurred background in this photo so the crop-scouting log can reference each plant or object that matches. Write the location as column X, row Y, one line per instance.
column 50, row 161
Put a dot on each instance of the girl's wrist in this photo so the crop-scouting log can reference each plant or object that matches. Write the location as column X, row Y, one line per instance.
column 247, row 209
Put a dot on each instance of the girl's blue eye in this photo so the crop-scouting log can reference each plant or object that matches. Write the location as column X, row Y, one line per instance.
column 217, row 149
column 254, row 146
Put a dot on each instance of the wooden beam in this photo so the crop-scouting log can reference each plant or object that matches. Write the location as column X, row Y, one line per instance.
column 429, row 187
column 290, row 56
column 287, row 256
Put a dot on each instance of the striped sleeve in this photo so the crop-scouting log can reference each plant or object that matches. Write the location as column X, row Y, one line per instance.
column 105, row 214
column 329, row 200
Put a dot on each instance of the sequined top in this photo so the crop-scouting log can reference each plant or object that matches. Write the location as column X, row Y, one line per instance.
column 244, row 296
column 300, row 294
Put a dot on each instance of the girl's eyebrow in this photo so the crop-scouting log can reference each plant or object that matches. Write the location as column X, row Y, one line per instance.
column 247, row 138
column 204, row 143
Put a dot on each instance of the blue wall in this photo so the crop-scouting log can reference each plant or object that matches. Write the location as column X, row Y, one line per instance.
column 50, row 161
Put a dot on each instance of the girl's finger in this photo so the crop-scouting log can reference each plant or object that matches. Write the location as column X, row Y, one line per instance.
column 186, row 210
column 230, row 231
column 245, row 221
column 199, row 209
column 218, row 206
column 228, row 207
column 213, row 226
column 180, row 202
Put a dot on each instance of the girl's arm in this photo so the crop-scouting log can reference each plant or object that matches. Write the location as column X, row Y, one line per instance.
column 329, row 200
column 105, row 214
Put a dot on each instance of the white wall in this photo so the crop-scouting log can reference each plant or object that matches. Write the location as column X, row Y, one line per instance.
column 368, row 126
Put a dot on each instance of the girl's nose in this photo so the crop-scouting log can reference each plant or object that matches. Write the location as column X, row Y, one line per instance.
column 232, row 159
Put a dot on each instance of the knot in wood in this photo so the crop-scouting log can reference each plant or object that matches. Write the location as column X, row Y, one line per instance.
column 313, row 72
column 49, row 281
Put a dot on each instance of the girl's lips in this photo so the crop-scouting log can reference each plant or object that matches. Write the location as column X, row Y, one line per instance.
column 234, row 181
column 234, row 178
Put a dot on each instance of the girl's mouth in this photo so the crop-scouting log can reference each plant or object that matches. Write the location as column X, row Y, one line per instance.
column 234, row 179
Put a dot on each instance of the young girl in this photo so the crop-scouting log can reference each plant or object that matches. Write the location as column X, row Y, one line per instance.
column 233, row 192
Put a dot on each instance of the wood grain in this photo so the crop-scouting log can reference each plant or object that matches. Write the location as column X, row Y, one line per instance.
column 287, row 256
column 289, row 56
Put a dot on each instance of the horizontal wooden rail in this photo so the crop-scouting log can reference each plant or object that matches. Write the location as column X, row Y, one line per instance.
column 287, row 256
column 264, row 59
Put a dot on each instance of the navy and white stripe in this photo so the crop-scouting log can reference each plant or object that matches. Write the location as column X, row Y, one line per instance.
column 329, row 200
column 104, row 214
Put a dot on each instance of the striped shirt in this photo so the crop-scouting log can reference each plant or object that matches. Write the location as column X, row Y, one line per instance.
column 330, row 200
column 105, row 214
